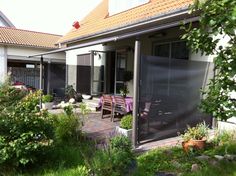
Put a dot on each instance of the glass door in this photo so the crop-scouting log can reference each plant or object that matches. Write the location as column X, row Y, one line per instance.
column 98, row 72
column 121, row 65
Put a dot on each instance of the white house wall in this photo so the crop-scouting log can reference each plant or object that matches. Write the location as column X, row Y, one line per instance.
column 21, row 53
column 72, row 62
column 3, row 63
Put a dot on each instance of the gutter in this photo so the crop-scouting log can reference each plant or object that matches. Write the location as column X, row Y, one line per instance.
column 118, row 37
column 147, row 21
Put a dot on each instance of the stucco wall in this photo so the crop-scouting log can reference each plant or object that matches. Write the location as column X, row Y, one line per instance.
column 21, row 53
column 72, row 62
column 229, row 125
column 3, row 63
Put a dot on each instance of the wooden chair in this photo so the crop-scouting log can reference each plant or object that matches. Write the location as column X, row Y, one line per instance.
column 107, row 107
column 119, row 106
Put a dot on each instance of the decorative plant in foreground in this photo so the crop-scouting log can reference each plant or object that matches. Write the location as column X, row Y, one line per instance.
column 216, row 36
column 26, row 133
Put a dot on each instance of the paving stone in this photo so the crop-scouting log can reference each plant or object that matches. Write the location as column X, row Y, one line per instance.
column 176, row 164
column 164, row 174
column 203, row 158
column 219, row 157
column 195, row 167
column 213, row 162
column 230, row 157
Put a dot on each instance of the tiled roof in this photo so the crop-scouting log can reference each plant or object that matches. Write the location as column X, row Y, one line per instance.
column 99, row 21
column 13, row 36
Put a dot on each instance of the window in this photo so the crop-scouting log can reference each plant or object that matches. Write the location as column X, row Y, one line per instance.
column 175, row 50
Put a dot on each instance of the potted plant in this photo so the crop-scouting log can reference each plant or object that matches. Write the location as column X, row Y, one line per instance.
column 128, row 76
column 47, row 101
column 125, row 127
column 124, row 91
column 195, row 137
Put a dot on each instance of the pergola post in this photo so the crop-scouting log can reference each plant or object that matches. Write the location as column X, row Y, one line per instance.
column 136, row 92
column 48, row 76
column 41, row 80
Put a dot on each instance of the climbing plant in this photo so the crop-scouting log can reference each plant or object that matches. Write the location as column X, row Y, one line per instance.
column 216, row 36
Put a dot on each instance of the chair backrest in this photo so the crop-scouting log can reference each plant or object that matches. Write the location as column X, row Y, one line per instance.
column 119, row 104
column 107, row 102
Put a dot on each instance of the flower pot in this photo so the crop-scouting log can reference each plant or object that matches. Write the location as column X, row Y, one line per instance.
column 187, row 145
column 122, row 131
column 199, row 144
column 196, row 144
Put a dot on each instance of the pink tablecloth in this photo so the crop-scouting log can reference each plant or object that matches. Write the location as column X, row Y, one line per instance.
column 128, row 103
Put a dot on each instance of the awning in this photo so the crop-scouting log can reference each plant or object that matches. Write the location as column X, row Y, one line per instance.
column 118, row 37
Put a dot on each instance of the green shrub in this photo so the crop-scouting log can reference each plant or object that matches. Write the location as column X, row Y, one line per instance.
column 26, row 133
column 70, row 92
column 119, row 143
column 68, row 110
column 47, row 98
column 126, row 122
column 199, row 132
column 67, row 125
column 10, row 96
column 115, row 159
column 224, row 137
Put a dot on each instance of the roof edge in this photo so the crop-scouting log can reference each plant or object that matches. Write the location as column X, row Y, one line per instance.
column 27, row 46
column 145, row 21
column 116, row 38
column 25, row 30
column 6, row 20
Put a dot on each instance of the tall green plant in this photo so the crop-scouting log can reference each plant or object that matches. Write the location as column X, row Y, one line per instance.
column 26, row 133
column 9, row 96
column 217, row 23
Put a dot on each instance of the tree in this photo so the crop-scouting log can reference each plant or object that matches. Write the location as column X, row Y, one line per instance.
column 216, row 36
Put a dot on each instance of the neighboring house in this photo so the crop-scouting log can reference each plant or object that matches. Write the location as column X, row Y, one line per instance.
column 142, row 36
column 17, row 44
column 4, row 21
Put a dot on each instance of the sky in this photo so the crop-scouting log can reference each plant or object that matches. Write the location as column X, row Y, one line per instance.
column 50, row 16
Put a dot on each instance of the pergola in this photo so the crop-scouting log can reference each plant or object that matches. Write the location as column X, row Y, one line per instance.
column 137, row 57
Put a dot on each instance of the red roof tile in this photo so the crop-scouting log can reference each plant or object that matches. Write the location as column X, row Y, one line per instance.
column 13, row 36
column 99, row 20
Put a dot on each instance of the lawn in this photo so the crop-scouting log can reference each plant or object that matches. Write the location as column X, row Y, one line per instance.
column 175, row 160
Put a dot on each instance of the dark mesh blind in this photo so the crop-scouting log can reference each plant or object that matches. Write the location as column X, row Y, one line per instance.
column 169, row 96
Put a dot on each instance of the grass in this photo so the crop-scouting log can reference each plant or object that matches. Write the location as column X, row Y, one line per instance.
column 222, row 169
column 80, row 170
column 175, row 160
column 62, row 160
column 67, row 159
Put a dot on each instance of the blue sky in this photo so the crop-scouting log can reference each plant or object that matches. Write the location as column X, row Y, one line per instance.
column 51, row 16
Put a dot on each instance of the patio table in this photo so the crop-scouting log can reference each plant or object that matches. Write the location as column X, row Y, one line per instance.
column 128, row 103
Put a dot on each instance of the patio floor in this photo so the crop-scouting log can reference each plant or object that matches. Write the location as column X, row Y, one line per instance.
column 99, row 129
